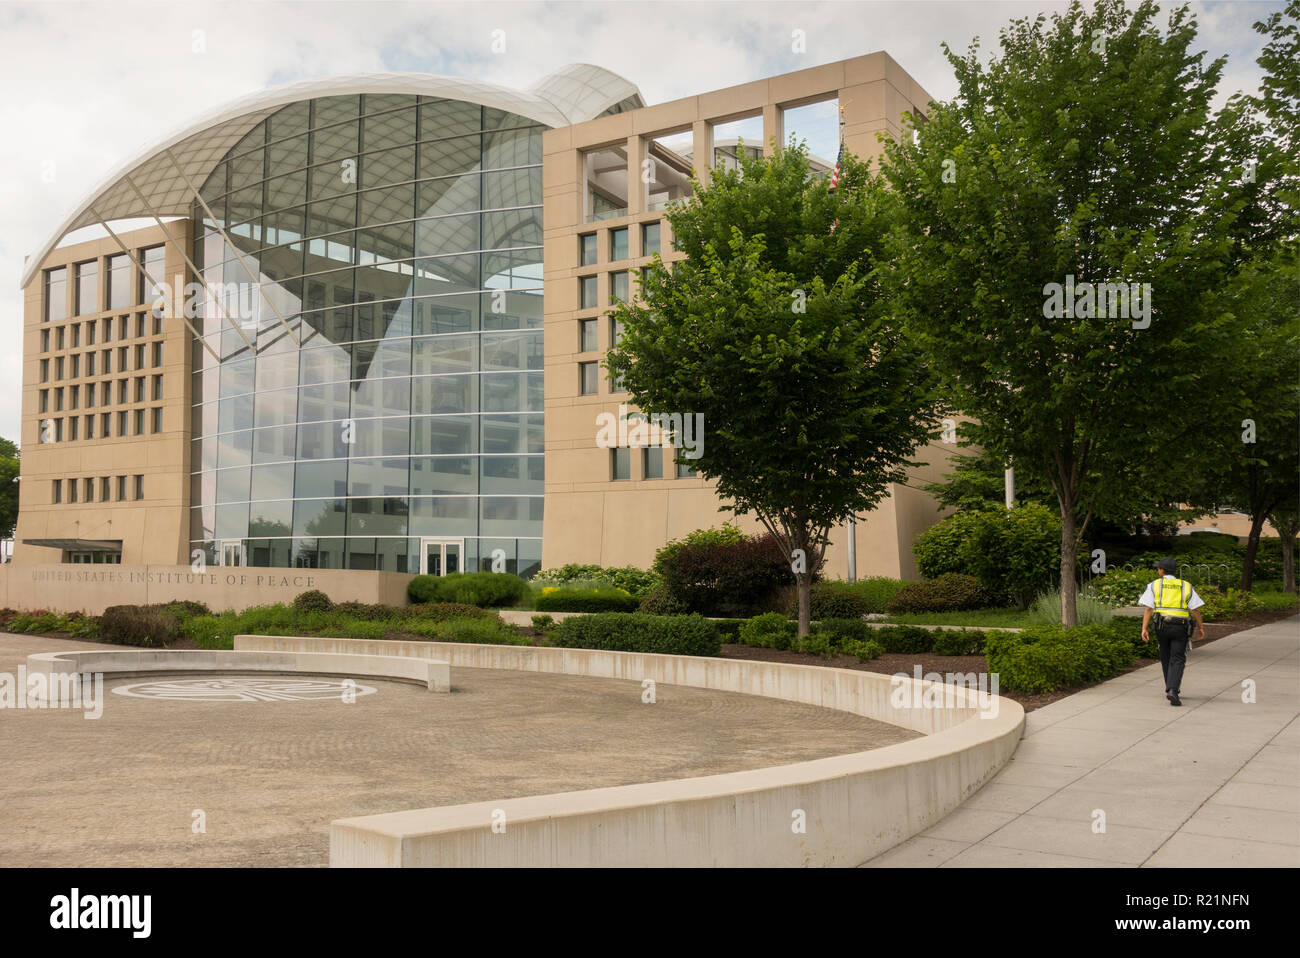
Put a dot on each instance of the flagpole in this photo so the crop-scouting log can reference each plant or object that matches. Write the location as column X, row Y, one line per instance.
column 850, row 526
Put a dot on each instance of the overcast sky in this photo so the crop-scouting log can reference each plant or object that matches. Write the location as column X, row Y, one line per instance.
column 89, row 85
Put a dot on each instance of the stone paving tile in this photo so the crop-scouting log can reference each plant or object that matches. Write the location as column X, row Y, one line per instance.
column 918, row 852
column 1252, row 824
column 998, row 856
column 1119, row 844
column 968, row 824
column 1279, row 798
column 999, row 796
column 1185, row 850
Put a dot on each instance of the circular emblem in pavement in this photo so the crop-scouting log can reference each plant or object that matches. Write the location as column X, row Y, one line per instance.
column 242, row 689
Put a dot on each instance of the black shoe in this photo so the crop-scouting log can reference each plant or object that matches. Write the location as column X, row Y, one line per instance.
column 1173, row 698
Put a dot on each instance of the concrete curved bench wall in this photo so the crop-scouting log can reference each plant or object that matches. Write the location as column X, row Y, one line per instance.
column 434, row 674
column 854, row 806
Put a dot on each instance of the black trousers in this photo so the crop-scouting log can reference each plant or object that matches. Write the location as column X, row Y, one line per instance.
column 1172, row 637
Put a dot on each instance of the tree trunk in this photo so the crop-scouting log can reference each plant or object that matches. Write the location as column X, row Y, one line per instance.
column 1252, row 548
column 1069, row 554
column 1288, row 533
column 804, row 584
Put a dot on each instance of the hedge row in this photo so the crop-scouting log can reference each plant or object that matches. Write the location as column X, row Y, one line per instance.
column 484, row 589
column 1047, row 659
column 634, row 632
column 554, row 599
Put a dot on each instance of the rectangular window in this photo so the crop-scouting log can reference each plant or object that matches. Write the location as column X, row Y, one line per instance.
column 56, row 294
column 44, row 396
column 620, row 463
column 649, row 239
column 139, row 356
column 123, row 359
column 58, row 367
column 119, row 281
column 157, row 324
column 88, row 487
column 587, row 373
column 139, row 487
column 58, row 430
column 615, row 331
column 87, row 287
column 74, row 424
column 106, row 329
column 90, row 426
column 90, row 364
column 60, row 338
column 587, row 336
column 587, row 250
column 156, row 415
column 107, row 356
column 45, row 370
column 76, row 366
column 139, row 389
column 122, row 395
column 154, row 261
column 652, row 462
column 686, row 471
column 45, row 340
column 122, row 326
column 57, row 494
column 139, row 422
column 76, row 335
column 618, row 244
column 90, row 332
column 618, row 287
column 74, row 394
column 122, row 423
column 121, row 488
column 103, row 489
column 587, row 293
column 72, row 490
column 58, row 399
column 105, row 424
column 157, row 355
column 157, row 387
column 106, row 392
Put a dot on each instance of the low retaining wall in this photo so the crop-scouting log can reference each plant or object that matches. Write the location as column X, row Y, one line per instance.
column 851, row 807
column 432, row 673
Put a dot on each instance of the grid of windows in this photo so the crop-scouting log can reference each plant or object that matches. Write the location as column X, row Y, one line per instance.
column 400, row 239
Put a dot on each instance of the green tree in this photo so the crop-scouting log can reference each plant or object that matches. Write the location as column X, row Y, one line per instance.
column 9, row 471
column 813, row 397
column 1078, row 156
column 979, row 482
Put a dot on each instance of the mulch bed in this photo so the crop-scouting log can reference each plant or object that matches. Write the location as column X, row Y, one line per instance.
column 893, row 663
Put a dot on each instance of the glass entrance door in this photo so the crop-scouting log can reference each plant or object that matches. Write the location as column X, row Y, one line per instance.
column 232, row 552
column 440, row 556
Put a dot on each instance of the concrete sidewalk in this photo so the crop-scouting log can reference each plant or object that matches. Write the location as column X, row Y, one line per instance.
column 1216, row 782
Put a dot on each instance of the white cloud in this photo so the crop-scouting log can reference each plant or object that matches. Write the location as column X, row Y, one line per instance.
column 91, row 84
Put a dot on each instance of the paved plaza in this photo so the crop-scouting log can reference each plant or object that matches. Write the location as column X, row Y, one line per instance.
column 1214, row 783
column 270, row 774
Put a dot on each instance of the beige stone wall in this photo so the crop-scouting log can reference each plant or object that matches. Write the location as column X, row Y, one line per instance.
column 152, row 529
column 92, row 588
column 589, row 516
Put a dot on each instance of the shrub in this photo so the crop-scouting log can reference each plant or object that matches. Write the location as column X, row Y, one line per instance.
column 725, row 578
column 543, row 622
column 312, row 601
column 633, row 632
column 818, row 643
column 664, row 555
column 481, row 631
column 905, row 639
column 35, row 622
column 146, row 626
column 1232, row 604
column 1275, row 601
column 729, row 629
column 1118, row 587
column 1012, row 552
column 212, row 631
column 1046, row 609
column 863, row 650
column 844, row 630
column 485, row 589
column 958, row 642
column 639, row 582
column 368, row 612
column 771, row 630
column 876, row 591
column 1046, row 659
column 186, row 608
column 662, row 602
column 7, row 616
column 951, row 592
column 585, row 600
column 834, row 600
column 444, row 612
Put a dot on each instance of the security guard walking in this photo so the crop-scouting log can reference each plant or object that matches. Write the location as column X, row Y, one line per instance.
column 1175, row 604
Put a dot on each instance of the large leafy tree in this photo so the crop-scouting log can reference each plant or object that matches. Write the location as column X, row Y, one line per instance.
column 1081, row 154
column 813, row 396
column 9, row 470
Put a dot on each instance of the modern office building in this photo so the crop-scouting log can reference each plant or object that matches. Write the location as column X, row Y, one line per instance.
column 365, row 329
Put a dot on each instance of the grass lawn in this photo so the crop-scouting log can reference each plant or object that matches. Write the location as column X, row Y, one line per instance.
column 1011, row 618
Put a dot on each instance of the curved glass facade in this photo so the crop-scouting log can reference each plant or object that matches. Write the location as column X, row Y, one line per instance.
column 400, row 239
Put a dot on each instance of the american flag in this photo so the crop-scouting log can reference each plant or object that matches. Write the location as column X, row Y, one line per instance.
column 835, row 173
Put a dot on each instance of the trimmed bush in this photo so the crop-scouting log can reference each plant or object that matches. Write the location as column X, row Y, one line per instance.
column 313, row 600
column 639, row 582
column 585, row 600
column 1233, row 604
column 834, row 600
column 905, row 639
column 958, row 642
column 149, row 627
column 844, row 630
column 662, row 602
column 1119, row 587
column 444, row 612
column 633, row 632
column 725, row 578
column 484, row 589
column 186, row 609
column 951, row 592
column 481, row 631
column 864, row 650
column 1012, row 552
column 771, row 630
column 543, row 622
column 1047, row 659
column 818, row 643
column 729, row 629
column 367, row 611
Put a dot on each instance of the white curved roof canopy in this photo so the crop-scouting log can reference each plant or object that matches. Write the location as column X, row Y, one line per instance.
column 571, row 94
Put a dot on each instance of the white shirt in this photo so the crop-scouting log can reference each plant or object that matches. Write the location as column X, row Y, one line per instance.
column 1149, row 597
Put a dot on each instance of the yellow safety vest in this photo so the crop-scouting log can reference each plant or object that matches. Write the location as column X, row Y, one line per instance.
column 1172, row 596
